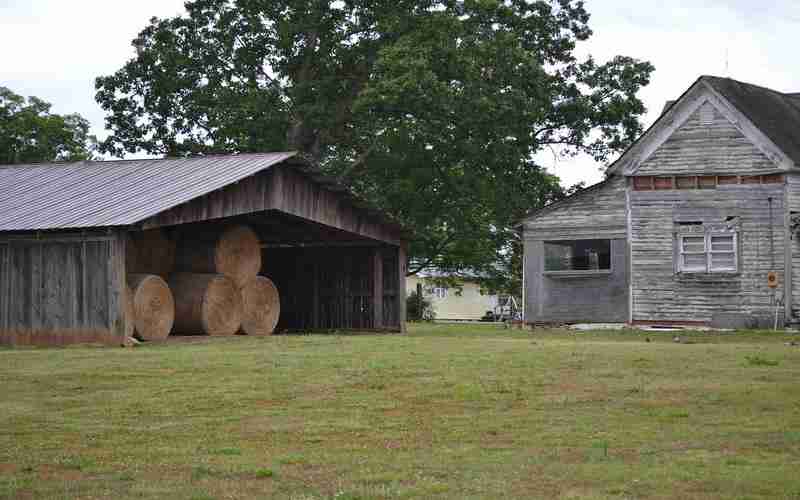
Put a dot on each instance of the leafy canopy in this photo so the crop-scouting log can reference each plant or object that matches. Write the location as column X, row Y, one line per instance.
column 29, row 132
column 431, row 109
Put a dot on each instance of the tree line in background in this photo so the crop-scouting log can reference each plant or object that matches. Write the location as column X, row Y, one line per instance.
column 30, row 132
column 432, row 110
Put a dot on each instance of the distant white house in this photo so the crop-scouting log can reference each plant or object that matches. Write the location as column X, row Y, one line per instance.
column 466, row 303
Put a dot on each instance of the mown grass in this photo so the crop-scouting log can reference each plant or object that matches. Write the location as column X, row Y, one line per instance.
column 447, row 411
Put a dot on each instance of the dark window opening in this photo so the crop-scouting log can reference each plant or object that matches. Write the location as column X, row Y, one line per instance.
column 577, row 255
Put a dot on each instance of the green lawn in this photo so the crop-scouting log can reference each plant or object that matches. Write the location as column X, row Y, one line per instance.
column 447, row 411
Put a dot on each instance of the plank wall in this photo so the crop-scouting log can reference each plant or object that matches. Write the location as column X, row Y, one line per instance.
column 707, row 143
column 660, row 293
column 285, row 189
column 60, row 289
column 793, row 205
column 595, row 213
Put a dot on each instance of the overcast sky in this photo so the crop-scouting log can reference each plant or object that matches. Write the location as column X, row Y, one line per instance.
column 54, row 49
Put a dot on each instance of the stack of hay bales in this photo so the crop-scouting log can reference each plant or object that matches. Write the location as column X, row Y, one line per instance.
column 212, row 286
column 149, row 256
column 218, row 289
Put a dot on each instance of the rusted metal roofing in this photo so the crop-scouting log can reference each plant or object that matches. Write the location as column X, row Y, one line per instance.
column 114, row 193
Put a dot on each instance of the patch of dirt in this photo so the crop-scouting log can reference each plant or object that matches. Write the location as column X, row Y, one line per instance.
column 7, row 468
column 57, row 473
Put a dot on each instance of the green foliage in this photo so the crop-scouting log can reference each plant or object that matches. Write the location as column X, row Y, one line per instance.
column 757, row 360
column 264, row 473
column 430, row 109
column 29, row 132
column 419, row 308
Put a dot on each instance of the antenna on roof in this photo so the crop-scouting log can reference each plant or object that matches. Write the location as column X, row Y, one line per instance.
column 727, row 64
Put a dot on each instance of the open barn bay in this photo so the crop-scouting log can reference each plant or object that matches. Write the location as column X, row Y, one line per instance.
column 446, row 411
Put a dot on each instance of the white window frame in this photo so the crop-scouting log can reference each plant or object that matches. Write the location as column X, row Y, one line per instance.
column 440, row 292
column 708, row 253
column 733, row 251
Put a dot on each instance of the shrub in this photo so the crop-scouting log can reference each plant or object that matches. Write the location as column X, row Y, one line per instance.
column 419, row 308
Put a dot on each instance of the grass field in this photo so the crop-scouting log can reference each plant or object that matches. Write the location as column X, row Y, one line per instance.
column 447, row 411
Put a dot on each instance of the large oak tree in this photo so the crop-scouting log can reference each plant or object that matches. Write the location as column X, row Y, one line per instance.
column 431, row 109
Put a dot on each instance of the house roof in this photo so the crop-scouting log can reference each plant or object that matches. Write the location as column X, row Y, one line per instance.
column 114, row 193
column 776, row 114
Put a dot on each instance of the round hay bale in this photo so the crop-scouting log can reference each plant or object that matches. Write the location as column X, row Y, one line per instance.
column 149, row 252
column 153, row 306
column 261, row 306
column 206, row 303
column 236, row 254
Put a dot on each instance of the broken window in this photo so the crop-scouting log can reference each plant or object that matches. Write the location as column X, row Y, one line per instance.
column 710, row 252
column 577, row 255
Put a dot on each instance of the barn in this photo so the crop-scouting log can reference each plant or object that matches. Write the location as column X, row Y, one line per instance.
column 65, row 229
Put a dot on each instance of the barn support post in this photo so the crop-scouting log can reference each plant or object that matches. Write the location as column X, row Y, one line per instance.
column 377, row 287
column 401, row 287
column 117, row 284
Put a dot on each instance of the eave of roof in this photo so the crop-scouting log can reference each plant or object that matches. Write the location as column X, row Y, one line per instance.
column 552, row 206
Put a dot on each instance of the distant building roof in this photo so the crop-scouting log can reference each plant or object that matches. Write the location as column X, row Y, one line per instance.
column 114, row 193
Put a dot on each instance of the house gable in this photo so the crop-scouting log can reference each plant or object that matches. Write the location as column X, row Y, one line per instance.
column 710, row 134
column 707, row 143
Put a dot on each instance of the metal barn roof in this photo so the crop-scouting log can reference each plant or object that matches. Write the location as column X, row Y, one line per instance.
column 114, row 193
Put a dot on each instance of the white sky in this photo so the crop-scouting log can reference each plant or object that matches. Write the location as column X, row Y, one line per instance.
column 54, row 49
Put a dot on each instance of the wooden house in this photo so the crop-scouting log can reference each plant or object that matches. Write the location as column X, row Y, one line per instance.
column 695, row 224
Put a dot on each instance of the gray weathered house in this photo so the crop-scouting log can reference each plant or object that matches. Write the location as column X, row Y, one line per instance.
column 696, row 223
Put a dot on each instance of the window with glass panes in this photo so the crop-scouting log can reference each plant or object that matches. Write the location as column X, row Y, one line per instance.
column 708, row 253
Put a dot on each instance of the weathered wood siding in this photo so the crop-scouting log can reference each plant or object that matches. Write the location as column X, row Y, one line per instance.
column 707, row 143
column 337, row 287
column 793, row 206
column 60, row 289
column 595, row 213
column 597, row 208
column 660, row 293
column 582, row 297
column 281, row 188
